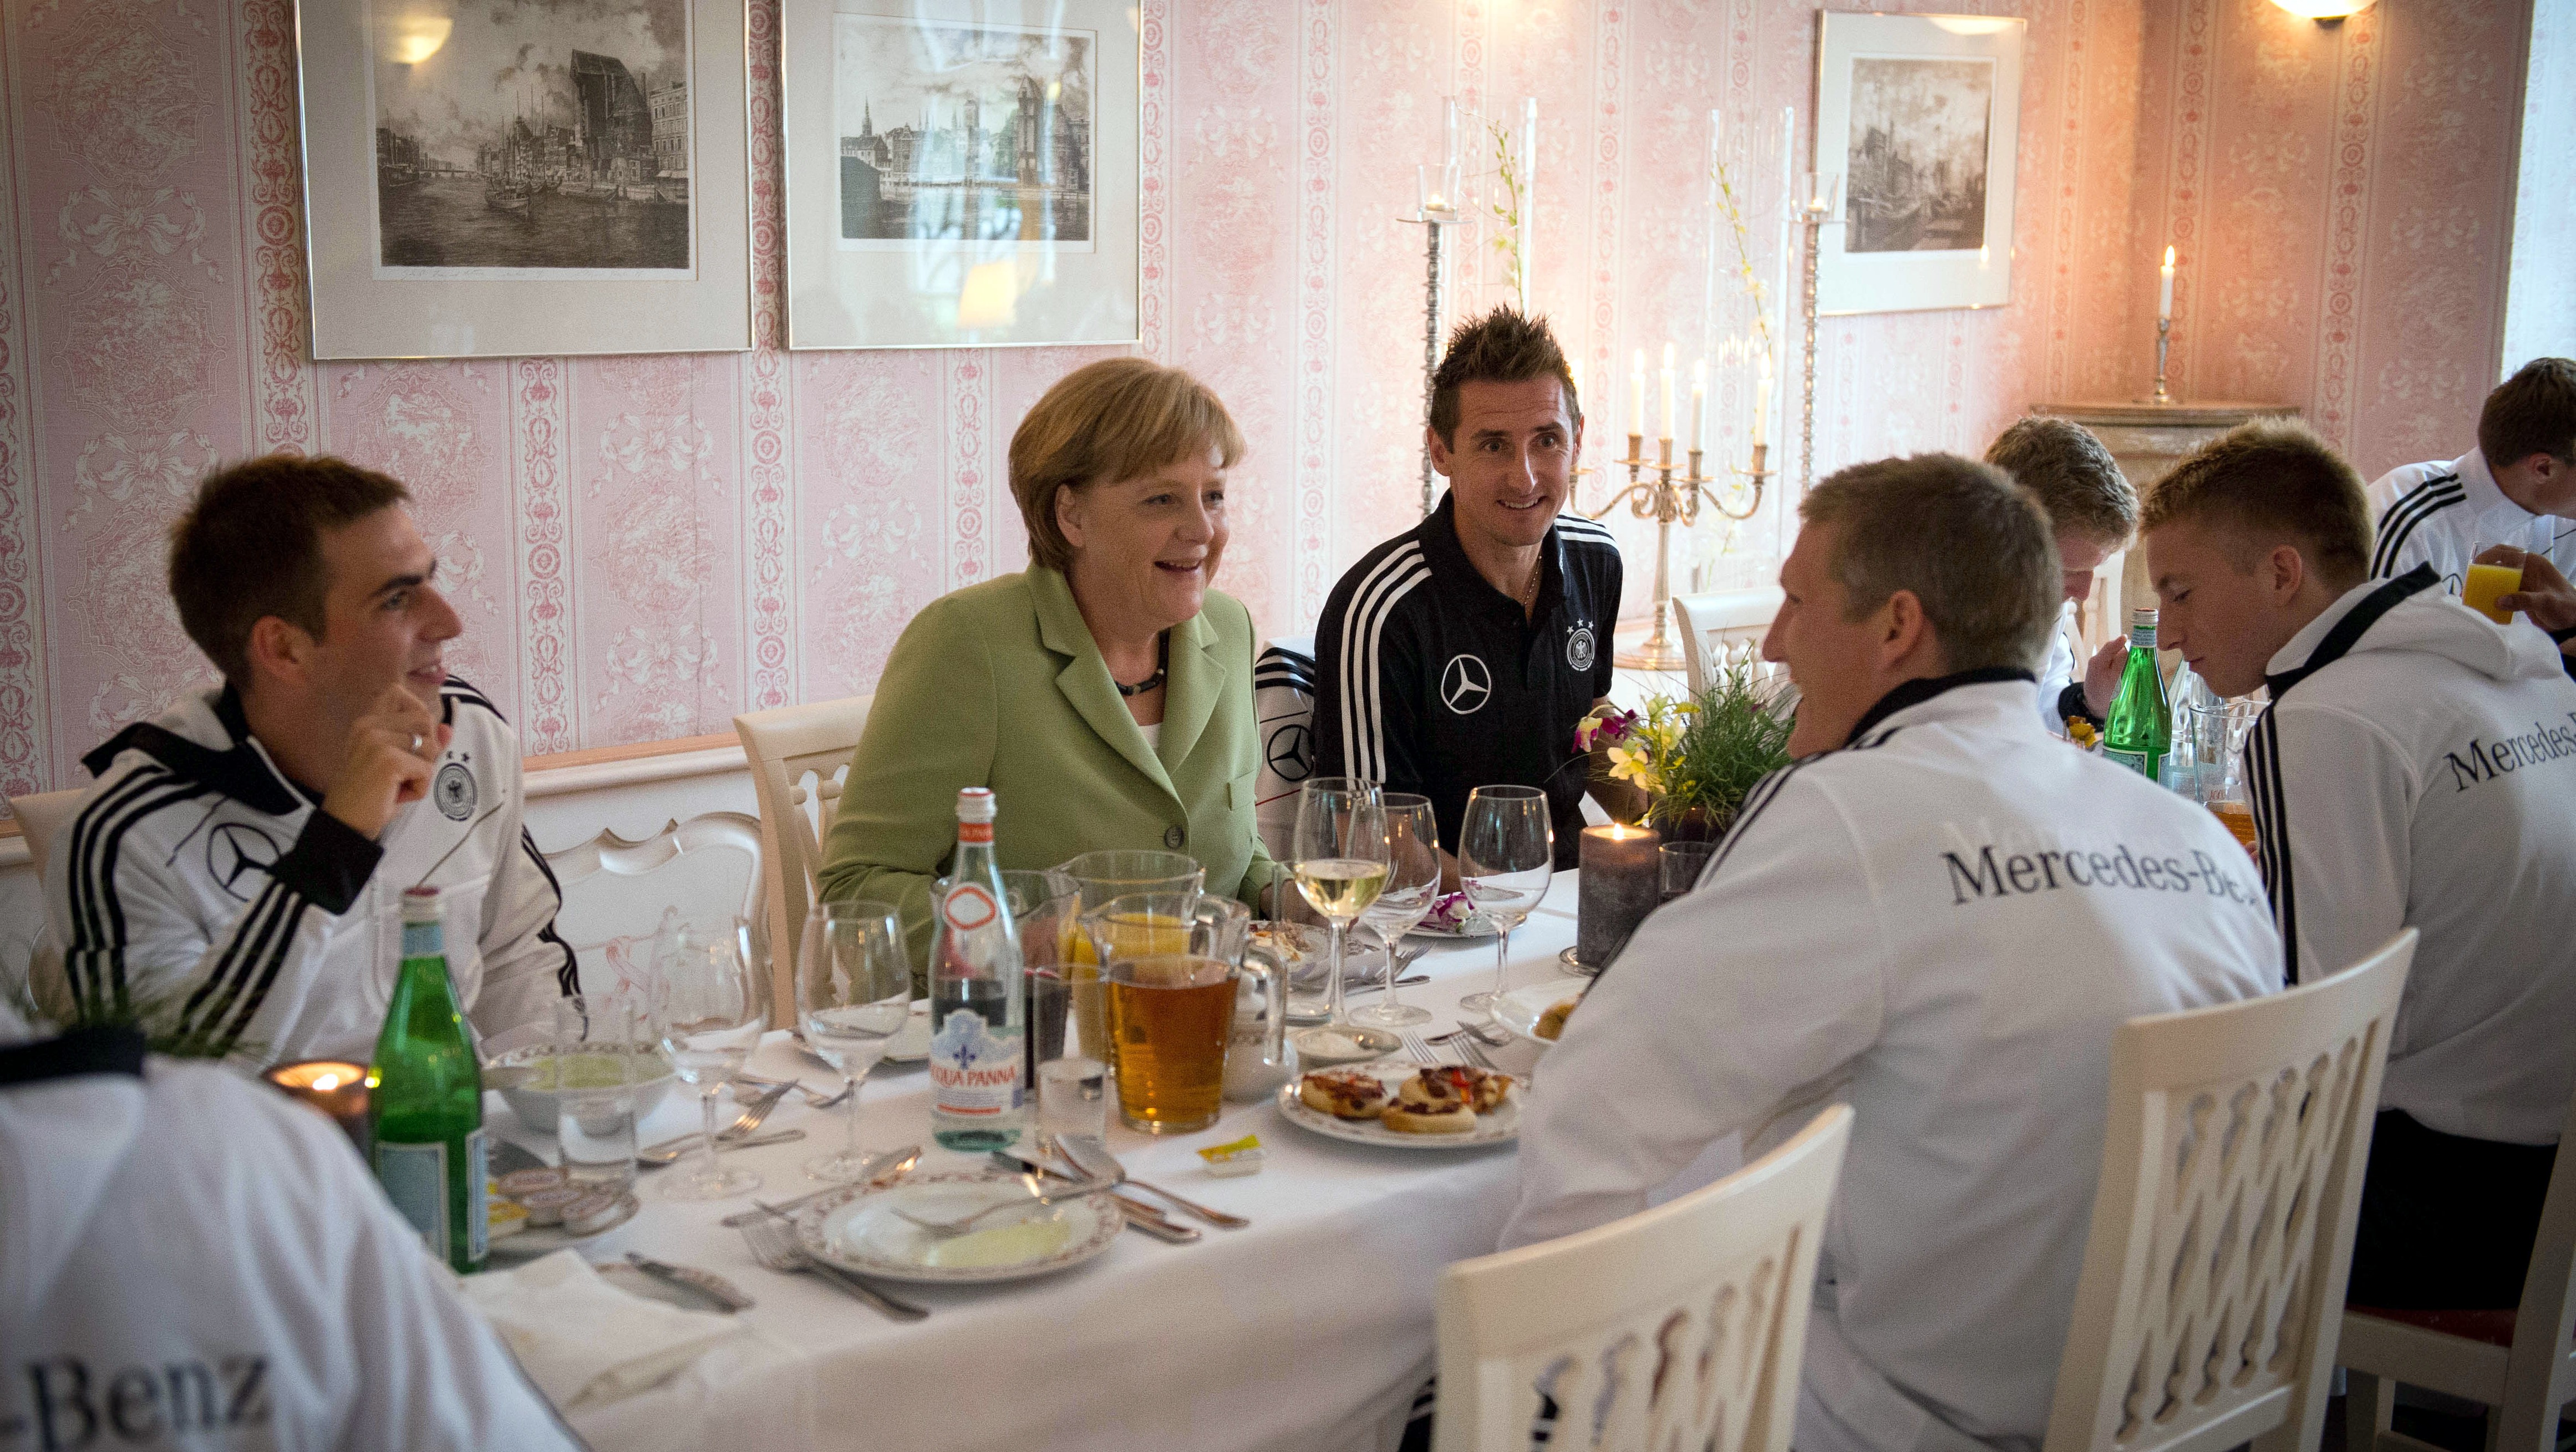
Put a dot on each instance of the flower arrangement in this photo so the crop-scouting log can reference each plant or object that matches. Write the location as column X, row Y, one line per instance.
column 1689, row 763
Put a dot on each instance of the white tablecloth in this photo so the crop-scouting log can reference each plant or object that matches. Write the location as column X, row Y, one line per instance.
column 1310, row 1330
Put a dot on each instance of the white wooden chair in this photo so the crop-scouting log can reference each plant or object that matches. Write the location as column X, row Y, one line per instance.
column 616, row 892
column 1680, row 1326
column 2212, row 1290
column 2521, row 1363
column 785, row 746
column 1720, row 627
column 42, row 815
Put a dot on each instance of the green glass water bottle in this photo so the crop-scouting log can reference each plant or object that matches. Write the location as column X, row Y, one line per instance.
column 425, row 1099
column 2139, row 727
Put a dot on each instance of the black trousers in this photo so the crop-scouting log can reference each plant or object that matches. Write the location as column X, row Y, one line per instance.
column 2446, row 1221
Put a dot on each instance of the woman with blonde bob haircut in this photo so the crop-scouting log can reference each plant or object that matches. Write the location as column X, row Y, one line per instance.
column 1104, row 693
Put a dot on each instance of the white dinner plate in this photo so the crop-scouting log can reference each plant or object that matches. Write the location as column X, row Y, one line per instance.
column 1519, row 1009
column 858, row 1230
column 912, row 1044
column 1502, row 1126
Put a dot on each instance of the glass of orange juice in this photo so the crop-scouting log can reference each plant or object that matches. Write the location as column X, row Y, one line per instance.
column 2484, row 583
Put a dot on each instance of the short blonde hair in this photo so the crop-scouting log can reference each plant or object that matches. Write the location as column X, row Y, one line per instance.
column 2270, row 482
column 1115, row 419
column 1974, row 547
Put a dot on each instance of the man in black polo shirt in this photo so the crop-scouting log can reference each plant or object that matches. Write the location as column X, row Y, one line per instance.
column 1462, row 652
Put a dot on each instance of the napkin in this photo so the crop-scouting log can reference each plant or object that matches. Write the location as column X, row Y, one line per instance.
column 583, row 1341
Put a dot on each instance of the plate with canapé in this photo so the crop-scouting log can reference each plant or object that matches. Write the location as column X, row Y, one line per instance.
column 1396, row 1104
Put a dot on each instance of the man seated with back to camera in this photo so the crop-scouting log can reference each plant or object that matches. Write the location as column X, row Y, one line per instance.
column 1462, row 652
column 236, row 875
column 1937, row 913
column 2416, row 768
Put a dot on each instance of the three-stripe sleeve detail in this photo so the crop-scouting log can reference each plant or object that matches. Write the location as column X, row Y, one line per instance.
column 1363, row 704
column 568, row 977
column 2402, row 518
column 97, row 913
column 2272, row 834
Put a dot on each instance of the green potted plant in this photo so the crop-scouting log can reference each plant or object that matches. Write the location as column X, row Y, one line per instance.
column 1684, row 767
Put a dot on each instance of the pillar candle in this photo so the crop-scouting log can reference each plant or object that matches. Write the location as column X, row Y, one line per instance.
column 337, row 1088
column 1621, row 882
column 2164, row 299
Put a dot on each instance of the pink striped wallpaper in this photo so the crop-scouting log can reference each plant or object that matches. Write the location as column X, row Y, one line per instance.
column 642, row 547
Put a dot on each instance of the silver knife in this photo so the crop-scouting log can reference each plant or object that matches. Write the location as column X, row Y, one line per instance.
column 689, row 1278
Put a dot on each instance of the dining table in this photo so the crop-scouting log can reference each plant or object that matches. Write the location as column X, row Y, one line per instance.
column 1309, row 1329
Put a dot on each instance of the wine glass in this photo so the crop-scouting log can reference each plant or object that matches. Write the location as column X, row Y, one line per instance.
column 1340, row 862
column 710, row 1017
column 853, row 995
column 1506, row 853
column 1412, row 881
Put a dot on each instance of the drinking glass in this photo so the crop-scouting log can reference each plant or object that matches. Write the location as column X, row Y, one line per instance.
column 1046, row 906
column 709, row 1016
column 1681, row 863
column 603, row 1056
column 1073, row 1097
column 853, row 995
column 1341, row 858
column 1169, row 1018
column 1506, row 853
column 1412, row 881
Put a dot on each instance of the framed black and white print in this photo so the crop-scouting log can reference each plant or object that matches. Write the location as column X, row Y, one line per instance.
column 960, row 172
column 1920, row 115
column 495, row 178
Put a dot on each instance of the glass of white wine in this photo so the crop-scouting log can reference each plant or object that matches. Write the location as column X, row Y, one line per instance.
column 1341, row 858
column 1412, row 881
column 1506, row 854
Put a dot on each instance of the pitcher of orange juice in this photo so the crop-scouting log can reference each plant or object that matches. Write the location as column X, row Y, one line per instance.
column 1101, row 877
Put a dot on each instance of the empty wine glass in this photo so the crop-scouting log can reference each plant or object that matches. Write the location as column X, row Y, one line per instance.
column 853, row 995
column 1506, row 853
column 1412, row 881
column 710, row 1016
column 1340, row 862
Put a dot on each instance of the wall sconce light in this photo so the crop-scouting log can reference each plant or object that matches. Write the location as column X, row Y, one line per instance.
column 2326, row 13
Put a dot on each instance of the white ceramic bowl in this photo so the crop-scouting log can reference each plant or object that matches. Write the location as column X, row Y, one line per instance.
column 525, row 1082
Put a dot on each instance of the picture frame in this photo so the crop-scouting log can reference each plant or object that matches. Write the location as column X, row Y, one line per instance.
column 1920, row 116
column 961, row 173
column 548, row 177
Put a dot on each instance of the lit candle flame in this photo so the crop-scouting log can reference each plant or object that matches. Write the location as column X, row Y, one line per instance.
column 326, row 1083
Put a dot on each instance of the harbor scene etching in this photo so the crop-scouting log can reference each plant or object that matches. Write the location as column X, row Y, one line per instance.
column 533, row 135
column 1917, row 166
column 963, row 133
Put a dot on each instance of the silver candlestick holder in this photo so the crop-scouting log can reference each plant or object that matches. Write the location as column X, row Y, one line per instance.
column 1432, row 220
column 2164, row 338
column 1669, row 499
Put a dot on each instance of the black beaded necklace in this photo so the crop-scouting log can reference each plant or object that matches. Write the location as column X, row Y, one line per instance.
column 1162, row 664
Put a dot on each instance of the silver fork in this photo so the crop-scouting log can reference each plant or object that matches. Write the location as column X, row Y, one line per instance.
column 1476, row 1055
column 814, row 1097
column 752, row 1114
column 772, row 1239
column 951, row 1229
column 1416, row 1050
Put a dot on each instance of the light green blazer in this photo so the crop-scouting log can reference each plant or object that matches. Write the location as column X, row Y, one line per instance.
column 1000, row 685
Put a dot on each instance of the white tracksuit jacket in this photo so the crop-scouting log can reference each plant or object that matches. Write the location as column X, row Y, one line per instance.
column 2064, row 667
column 196, row 875
column 2442, row 514
column 2417, row 766
column 1940, row 924
column 187, row 1260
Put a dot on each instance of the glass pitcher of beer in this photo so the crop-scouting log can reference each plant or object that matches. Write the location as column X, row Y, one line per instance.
column 1101, row 877
column 1173, row 962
